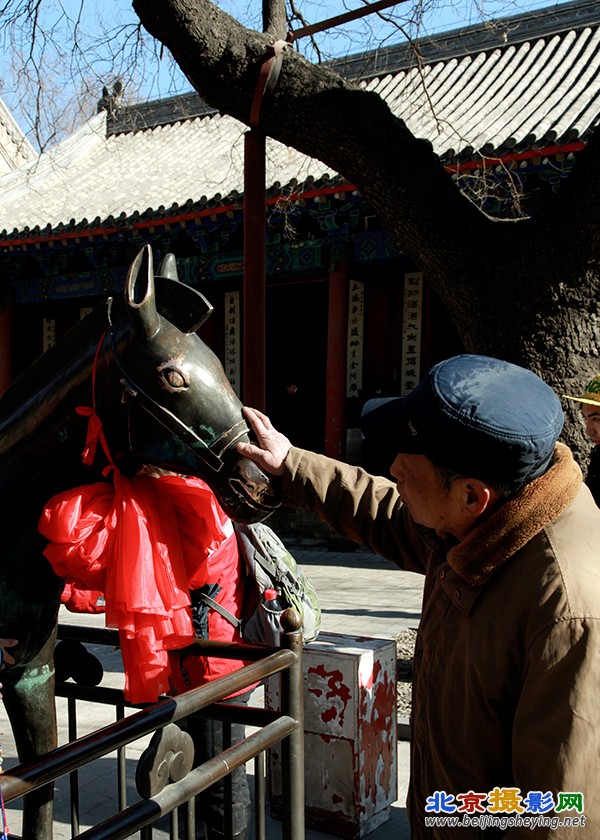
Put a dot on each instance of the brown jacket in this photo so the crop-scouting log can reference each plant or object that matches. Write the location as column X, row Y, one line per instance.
column 506, row 687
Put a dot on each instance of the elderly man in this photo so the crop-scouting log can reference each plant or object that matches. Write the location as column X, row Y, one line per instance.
column 492, row 510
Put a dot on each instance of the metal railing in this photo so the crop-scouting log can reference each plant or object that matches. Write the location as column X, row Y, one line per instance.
column 164, row 794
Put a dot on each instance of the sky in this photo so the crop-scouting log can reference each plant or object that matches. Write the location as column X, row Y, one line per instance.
column 50, row 102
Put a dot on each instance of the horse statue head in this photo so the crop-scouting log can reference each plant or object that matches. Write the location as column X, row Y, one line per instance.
column 175, row 407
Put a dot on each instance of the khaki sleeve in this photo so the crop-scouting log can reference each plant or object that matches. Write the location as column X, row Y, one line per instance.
column 556, row 732
column 359, row 506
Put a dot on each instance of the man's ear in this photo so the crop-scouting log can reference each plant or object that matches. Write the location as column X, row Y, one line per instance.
column 478, row 497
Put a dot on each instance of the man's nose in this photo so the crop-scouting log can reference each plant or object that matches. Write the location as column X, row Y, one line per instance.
column 395, row 470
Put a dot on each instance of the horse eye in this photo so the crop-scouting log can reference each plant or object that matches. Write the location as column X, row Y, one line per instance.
column 173, row 378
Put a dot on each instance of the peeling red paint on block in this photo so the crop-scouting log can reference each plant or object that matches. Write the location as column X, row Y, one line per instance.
column 350, row 734
column 329, row 686
column 330, row 695
column 378, row 697
column 328, row 715
column 372, row 676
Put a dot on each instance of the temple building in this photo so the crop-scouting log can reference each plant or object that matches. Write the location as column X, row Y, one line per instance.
column 508, row 105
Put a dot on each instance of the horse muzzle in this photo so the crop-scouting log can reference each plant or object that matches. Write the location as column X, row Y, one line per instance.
column 244, row 491
column 257, row 495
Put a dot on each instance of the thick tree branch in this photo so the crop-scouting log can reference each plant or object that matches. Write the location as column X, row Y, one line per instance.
column 317, row 112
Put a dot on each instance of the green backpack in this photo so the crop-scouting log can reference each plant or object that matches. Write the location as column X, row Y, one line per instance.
column 271, row 566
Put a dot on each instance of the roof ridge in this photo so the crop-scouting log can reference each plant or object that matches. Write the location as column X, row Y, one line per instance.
column 157, row 112
column 479, row 37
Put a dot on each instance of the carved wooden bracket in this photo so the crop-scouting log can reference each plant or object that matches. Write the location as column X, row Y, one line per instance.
column 167, row 758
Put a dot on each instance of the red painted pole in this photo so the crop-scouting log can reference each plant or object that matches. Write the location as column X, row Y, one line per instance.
column 254, row 328
column 337, row 325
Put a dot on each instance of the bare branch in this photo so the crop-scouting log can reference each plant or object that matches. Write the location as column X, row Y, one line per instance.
column 274, row 18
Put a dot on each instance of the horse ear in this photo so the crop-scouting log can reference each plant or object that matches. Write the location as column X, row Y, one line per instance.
column 203, row 310
column 168, row 267
column 179, row 303
column 140, row 296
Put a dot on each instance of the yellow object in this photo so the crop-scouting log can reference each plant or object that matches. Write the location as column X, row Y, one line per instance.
column 592, row 393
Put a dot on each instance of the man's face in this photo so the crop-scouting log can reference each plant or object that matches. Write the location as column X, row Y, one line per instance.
column 428, row 502
column 591, row 414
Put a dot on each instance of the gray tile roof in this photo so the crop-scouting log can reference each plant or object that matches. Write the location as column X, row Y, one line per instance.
column 92, row 177
column 529, row 81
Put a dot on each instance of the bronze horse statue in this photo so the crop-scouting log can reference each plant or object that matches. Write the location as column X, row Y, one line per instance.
column 163, row 399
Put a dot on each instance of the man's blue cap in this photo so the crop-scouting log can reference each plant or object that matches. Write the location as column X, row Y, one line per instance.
column 481, row 417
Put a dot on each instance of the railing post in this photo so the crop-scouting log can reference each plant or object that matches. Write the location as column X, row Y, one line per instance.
column 292, row 747
column 227, row 785
column 260, row 796
column 121, row 765
column 74, row 776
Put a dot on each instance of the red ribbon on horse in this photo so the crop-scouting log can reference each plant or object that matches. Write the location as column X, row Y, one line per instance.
column 144, row 542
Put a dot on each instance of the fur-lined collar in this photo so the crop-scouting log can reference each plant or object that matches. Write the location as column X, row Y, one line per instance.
column 513, row 525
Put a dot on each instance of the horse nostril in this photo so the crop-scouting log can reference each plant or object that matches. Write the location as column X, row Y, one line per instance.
column 254, row 484
column 253, row 475
column 260, row 497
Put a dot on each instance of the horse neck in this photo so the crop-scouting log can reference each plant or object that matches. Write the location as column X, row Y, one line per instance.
column 41, row 435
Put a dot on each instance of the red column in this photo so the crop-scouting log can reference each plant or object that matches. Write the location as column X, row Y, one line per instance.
column 335, row 410
column 254, row 330
column 6, row 366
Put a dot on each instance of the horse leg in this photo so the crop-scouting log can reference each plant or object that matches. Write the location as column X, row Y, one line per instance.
column 29, row 702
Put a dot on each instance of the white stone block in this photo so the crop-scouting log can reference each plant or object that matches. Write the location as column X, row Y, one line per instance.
column 350, row 734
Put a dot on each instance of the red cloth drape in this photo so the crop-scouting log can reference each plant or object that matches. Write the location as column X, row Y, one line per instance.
column 143, row 542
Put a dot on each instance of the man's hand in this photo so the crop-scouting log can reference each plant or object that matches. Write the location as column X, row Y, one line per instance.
column 273, row 447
